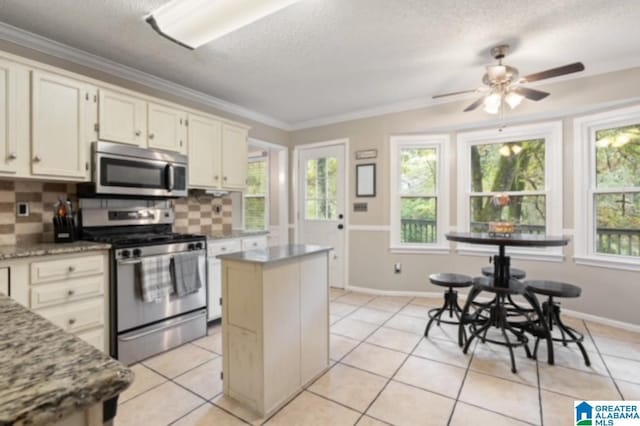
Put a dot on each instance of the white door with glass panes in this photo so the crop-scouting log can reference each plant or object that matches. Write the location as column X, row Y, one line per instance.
column 322, row 204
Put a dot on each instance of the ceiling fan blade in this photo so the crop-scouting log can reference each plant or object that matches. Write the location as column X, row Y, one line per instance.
column 532, row 94
column 474, row 105
column 554, row 72
column 454, row 93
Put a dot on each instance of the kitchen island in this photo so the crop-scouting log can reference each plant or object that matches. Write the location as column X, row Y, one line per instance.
column 48, row 376
column 275, row 323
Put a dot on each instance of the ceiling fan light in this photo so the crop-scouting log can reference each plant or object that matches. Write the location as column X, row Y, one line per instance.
column 496, row 72
column 192, row 23
column 513, row 99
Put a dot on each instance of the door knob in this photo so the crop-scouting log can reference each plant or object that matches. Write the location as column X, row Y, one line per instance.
column 340, row 216
column 340, row 226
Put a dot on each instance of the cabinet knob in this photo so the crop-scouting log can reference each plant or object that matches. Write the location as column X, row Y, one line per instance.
column 216, row 177
column 12, row 156
column 72, row 268
column 137, row 133
column 224, row 178
column 151, row 135
column 70, row 292
column 37, row 159
column 72, row 321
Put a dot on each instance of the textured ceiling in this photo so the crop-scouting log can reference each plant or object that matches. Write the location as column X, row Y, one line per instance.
column 326, row 58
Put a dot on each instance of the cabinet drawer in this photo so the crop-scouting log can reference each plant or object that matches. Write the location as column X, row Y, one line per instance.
column 67, row 291
column 254, row 243
column 63, row 269
column 94, row 337
column 78, row 316
column 224, row 247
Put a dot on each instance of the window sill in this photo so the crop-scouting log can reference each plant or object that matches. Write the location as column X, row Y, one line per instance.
column 408, row 249
column 536, row 255
column 606, row 262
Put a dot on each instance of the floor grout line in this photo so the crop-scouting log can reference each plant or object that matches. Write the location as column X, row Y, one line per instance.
column 586, row 326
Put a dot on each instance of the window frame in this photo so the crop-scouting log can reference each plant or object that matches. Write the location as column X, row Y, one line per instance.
column 552, row 133
column 266, row 197
column 584, row 133
column 439, row 142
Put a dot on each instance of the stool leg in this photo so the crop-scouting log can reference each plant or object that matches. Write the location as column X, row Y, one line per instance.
column 465, row 312
column 574, row 337
column 437, row 315
column 533, row 301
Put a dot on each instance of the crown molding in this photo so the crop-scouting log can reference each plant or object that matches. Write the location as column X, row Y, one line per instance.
column 62, row 51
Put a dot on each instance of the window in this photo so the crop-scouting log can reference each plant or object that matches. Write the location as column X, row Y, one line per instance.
column 321, row 189
column 256, row 206
column 607, row 148
column 511, row 175
column 419, row 202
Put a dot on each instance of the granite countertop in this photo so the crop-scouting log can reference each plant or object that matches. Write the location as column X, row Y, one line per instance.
column 235, row 234
column 46, row 373
column 43, row 249
column 274, row 254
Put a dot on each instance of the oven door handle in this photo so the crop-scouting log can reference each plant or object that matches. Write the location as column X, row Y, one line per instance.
column 170, row 178
column 129, row 262
column 155, row 330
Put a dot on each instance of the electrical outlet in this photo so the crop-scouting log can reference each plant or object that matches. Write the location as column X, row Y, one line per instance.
column 22, row 209
column 397, row 268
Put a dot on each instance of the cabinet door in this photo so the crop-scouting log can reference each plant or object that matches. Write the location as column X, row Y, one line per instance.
column 60, row 129
column 4, row 281
column 204, row 136
column 166, row 128
column 14, row 117
column 215, row 289
column 234, row 157
column 122, row 118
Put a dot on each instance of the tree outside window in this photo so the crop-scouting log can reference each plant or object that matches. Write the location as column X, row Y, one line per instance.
column 616, row 196
column 255, row 198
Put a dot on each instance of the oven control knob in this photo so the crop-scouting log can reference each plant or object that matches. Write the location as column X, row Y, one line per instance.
column 198, row 246
column 125, row 253
column 191, row 247
column 136, row 252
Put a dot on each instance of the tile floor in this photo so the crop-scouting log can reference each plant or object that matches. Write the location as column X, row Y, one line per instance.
column 384, row 372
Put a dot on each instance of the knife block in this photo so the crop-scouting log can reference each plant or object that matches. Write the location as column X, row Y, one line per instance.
column 64, row 229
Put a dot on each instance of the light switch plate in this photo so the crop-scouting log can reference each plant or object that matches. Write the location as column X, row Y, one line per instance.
column 22, row 209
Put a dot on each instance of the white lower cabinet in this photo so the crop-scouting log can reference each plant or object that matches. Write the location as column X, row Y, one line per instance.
column 68, row 290
column 214, row 248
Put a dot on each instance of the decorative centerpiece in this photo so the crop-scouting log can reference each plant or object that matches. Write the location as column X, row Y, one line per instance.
column 502, row 228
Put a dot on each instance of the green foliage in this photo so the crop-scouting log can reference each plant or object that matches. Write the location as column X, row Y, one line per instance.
column 321, row 188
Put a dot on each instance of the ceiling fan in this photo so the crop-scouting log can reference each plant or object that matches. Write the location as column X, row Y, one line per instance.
column 502, row 84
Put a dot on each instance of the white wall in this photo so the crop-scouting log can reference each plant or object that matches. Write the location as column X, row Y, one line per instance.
column 606, row 292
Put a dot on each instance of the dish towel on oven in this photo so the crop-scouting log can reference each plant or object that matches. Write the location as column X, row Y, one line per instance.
column 155, row 278
column 185, row 271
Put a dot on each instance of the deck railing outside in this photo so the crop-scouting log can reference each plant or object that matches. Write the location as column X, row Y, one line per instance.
column 619, row 241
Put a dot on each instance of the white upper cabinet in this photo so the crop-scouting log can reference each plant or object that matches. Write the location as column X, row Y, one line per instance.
column 167, row 128
column 61, row 125
column 14, row 119
column 234, row 156
column 122, row 118
column 204, row 136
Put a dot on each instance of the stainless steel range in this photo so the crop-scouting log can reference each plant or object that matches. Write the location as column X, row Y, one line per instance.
column 140, row 329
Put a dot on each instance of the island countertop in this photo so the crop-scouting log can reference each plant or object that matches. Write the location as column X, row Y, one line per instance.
column 46, row 373
column 274, row 254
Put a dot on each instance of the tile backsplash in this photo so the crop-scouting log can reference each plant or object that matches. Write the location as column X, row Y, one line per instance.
column 196, row 214
column 203, row 214
column 41, row 196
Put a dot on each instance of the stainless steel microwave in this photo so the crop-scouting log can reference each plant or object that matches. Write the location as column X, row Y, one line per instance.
column 128, row 170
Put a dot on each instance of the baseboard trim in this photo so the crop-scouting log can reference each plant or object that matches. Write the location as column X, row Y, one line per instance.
column 576, row 314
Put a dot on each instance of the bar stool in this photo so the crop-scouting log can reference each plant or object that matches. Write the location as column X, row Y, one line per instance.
column 516, row 273
column 493, row 314
column 451, row 305
column 551, row 312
